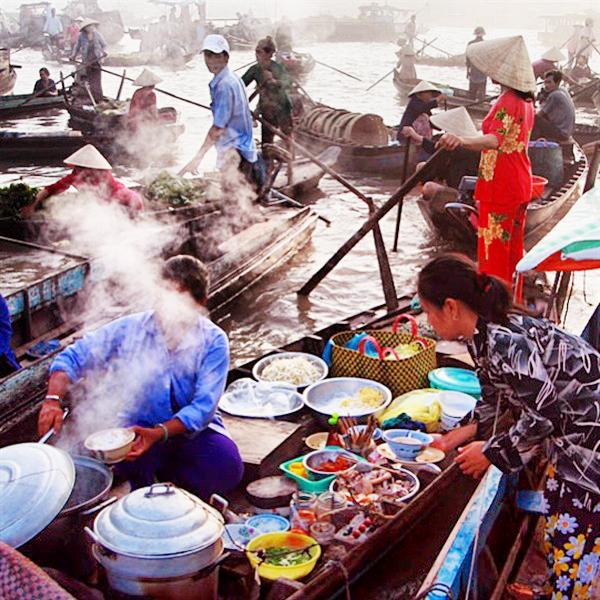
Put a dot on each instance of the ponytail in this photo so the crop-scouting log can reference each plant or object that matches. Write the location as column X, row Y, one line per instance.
column 267, row 44
column 455, row 276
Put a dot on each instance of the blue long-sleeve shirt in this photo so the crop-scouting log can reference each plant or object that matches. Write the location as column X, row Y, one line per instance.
column 90, row 50
column 6, row 353
column 132, row 366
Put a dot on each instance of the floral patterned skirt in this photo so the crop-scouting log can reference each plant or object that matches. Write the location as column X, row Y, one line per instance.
column 571, row 539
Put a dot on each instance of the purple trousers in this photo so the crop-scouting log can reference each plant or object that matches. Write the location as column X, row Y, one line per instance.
column 204, row 464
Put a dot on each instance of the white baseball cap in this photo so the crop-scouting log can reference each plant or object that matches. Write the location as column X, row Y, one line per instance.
column 215, row 43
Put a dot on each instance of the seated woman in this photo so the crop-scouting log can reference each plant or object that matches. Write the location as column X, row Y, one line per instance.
column 91, row 173
column 450, row 172
column 142, row 107
column 45, row 86
column 168, row 368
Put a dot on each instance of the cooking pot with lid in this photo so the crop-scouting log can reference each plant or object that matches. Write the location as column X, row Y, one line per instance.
column 159, row 541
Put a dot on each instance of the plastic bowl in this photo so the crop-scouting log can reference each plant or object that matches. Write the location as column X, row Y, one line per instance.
column 289, row 540
column 314, row 360
column 539, row 185
column 110, row 445
column 455, row 406
column 404, row 449
column 267, row 523
column 312, row 461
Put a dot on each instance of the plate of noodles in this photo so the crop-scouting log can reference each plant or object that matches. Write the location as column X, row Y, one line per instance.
column 299, row 369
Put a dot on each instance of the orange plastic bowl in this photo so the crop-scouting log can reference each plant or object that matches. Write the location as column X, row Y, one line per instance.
column 539, row 185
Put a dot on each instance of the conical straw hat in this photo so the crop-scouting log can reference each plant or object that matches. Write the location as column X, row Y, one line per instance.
column 424, row 86
column 456, row 121
column 553, row 55
column 506, row 61
column 87, row 22
column 89, row 158
column 147, row 78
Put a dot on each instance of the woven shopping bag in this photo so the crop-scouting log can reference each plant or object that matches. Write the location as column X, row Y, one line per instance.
column 400, row 376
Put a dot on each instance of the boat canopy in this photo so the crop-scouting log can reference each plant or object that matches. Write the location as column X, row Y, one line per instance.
column 573, row 244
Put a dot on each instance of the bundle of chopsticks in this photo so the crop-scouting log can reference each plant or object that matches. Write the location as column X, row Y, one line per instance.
column 357, row 440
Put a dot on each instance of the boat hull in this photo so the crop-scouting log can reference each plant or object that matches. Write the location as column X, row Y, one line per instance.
column 22, row 104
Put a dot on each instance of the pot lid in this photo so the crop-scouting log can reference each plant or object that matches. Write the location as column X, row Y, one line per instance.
column 459, row 380
column 159, row 520
column 35, row 482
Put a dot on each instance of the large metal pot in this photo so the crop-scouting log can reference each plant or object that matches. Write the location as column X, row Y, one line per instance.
column 159, row 541
column 62, row 544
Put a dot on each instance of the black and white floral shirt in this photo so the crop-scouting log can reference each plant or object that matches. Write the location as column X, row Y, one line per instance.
column 553, row 379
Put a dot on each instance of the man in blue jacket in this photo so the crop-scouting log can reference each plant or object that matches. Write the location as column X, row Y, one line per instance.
column 8, row 361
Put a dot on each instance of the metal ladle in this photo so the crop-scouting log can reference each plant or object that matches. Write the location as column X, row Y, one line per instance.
column 51, row 431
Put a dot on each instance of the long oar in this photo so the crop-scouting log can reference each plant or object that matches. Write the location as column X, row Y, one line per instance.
column 246, row 66
column 372, row 222
column 420, row 52
column 337, row 70
column 434, row 47
column 380, row 80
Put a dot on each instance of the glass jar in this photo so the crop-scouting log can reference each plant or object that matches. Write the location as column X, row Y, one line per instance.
column 302, row 508
column 328, row 502
column 323, row 532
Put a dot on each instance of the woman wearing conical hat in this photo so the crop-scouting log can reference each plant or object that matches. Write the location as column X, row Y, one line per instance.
column 143, row 107
column 504, row 183
column 91, row 173
column 547, row 62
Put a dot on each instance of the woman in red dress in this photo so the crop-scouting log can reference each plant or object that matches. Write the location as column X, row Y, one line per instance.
column 504, row 181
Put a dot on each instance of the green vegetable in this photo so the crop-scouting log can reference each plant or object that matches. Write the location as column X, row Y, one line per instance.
column 14, row 198
column 281, row 556
column 177, row 191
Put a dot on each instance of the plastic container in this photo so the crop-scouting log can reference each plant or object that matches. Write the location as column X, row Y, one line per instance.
column 455, row 406
column 289, row 540
column 267, row 523
column 456, row 380
column 539, row 185
column 305, row 484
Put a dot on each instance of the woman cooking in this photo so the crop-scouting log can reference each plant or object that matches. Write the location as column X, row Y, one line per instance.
column 504, row 184
column 552, row 379
column 161, row 372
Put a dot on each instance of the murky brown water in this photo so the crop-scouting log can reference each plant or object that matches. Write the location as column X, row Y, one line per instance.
column 271, row 313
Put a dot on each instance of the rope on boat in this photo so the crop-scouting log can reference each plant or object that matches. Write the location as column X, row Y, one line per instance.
column 438, row 588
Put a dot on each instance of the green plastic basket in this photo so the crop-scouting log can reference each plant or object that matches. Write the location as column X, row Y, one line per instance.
column 315, row 486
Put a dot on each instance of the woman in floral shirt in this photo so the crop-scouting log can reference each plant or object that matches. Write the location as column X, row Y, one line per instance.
column 551, row 379
column 504, row 183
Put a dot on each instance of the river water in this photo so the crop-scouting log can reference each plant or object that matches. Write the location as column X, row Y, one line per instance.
column 271, row 313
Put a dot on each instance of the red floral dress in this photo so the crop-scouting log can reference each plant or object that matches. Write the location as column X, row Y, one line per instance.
column 504, row 186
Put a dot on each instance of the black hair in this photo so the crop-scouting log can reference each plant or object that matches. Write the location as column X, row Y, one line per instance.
column 556, row 75
column 45, row 71
column 189, row 272
column 527, row 96
column 455, row 276
column 267, row 44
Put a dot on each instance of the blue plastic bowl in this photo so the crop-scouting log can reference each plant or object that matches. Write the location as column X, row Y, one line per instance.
column 404, row 449
column 267, row 523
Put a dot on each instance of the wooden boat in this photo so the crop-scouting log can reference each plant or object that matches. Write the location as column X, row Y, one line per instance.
column 456, row 60
column 297, row 64
column 586, row 95
column 7, row 81
column 365, row 143
column 21, row 104
column 51, row 146
column 139, row 59
column 451, row 219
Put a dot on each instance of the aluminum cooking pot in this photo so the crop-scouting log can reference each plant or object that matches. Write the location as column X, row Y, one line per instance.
column 157, row 533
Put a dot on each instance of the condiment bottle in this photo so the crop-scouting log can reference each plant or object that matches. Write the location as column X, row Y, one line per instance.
column 334, row 438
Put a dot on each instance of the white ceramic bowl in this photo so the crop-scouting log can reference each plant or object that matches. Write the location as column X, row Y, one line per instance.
column 319, row 363
column 110, row 445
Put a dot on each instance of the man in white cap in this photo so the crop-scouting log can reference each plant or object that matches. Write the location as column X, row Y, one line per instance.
column 231, row 131
column 555, row 120
column 92, row 48
column 142, row 107
column 477, row 79
column 91, row 173
column 547, row 62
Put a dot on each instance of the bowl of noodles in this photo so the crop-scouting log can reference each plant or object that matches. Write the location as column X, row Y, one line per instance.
column 347, row 397
column 298, row 369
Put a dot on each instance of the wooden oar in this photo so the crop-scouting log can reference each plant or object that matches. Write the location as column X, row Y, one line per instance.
column 434, row 47
column 371, row 223
column 477, row 102
column 245, row 66
column 380, row 80
column 420, row 52
column 337, row 70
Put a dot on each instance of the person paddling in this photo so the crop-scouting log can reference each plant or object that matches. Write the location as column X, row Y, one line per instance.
column 92, row 174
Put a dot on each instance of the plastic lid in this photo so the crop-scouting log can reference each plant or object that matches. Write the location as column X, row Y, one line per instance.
column 459, row 380
column 160, row 520
column 35, row 483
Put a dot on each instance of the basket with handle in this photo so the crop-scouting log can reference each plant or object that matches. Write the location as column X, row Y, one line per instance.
column 400, row 375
